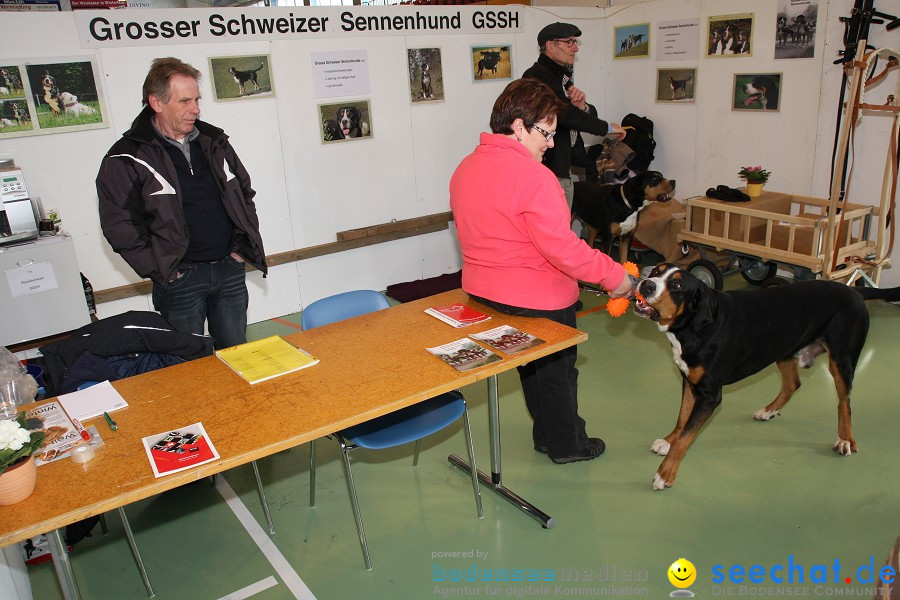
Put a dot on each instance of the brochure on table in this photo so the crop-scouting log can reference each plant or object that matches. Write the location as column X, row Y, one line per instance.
column 61, row 435
column 508, row 339
column 179, row 449
column 464, row 354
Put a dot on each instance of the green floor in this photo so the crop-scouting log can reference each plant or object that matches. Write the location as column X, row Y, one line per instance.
column 748, row 493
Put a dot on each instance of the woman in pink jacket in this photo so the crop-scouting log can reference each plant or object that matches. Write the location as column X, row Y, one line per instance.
column 521, row 257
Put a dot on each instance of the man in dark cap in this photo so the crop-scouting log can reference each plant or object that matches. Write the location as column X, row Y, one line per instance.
column 558, row 44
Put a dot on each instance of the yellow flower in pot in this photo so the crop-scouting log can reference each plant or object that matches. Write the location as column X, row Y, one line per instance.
column 18, row 473
column 756, row 178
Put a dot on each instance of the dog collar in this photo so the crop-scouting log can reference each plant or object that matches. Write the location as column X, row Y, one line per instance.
column 627, row 203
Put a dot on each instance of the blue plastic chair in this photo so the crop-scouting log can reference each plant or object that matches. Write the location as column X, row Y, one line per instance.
column 399, row 427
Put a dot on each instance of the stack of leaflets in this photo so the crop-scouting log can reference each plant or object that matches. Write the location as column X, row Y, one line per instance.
column 464, row 354
column 458, row 315
column 266, row 358
column 507, row 339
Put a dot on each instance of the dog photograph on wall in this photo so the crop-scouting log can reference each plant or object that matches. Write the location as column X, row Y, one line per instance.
column 757, row 91
column 795, row 29
column 345, row 121
column 14, row 114
column 676, row 85
column 490, row 63
column 66, row 95
column 730, row 35
column 632, row 41
column 241, row 77
column 426, row 78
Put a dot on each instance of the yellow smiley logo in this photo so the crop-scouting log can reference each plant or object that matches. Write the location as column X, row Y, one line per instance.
column 682, row 573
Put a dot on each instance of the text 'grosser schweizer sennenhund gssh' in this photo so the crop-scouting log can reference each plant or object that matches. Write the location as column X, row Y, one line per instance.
column 720, row 338
column 611, row 210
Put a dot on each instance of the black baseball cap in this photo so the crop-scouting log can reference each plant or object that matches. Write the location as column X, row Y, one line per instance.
column 557, row 31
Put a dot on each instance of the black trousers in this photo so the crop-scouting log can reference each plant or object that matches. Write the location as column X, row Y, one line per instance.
column 550, row 385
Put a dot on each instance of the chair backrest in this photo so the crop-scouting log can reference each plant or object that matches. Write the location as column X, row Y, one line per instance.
column 342, row 306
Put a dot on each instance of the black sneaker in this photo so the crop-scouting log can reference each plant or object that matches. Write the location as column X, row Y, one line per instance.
column 589, row 450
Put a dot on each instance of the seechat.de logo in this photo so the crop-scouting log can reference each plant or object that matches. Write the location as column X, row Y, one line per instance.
column 794, row 572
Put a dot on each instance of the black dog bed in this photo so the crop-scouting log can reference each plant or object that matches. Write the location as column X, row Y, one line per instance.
column 413, row 290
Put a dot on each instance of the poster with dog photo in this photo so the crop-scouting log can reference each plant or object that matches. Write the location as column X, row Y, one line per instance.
column 757, row 91
column 426, row 78
column 490, row 63
column 632, row 41
column 795, row 28
column 14, row 114
column 730, row 35
column 241, row 77
column 676, row 85
column 345, row 121
column 66, row 95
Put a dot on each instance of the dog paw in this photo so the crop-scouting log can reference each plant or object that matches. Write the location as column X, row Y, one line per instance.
column 765, row 415
column 845, row 447
column 660, row 447
column 659, row 483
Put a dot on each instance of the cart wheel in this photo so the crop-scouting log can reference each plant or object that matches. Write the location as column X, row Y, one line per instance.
column 773, row 281
column 757, row 271
column 685, row 249
column 707, row 272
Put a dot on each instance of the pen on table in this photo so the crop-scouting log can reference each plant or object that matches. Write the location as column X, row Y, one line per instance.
column 81, row 430
column 109, row 421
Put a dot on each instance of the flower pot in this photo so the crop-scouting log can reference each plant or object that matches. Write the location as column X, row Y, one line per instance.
column 754, row 190
column 17, row 482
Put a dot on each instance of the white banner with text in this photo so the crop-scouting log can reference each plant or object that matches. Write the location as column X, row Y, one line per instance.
column 112, row 29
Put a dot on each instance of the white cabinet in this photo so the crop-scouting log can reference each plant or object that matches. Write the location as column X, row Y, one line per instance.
column 40, row 290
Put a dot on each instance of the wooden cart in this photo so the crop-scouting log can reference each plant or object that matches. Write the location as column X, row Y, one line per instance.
column 832, row 238
column 775, row 229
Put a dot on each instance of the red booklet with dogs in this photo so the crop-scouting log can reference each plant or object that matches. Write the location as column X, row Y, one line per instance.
column 458, row 315
column 179, row 449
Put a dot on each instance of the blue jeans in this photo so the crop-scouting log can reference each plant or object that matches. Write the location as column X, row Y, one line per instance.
column 550, row 386
column 207, row 291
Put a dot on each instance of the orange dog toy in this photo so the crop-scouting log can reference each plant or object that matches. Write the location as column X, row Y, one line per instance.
column 616, row 307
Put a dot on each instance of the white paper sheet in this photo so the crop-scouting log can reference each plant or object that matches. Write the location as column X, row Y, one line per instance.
column 93, row 401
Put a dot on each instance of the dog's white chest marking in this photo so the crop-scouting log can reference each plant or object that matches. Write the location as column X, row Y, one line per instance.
column 629, row 224
column 676, row 352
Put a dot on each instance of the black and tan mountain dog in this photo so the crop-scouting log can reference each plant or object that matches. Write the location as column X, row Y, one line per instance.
column 611, row 210
column 719, row 338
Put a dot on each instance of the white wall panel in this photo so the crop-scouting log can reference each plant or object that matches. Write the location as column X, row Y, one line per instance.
column 307, row 191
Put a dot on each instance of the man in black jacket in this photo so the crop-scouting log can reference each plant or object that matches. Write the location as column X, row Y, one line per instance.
column 559, row 44
column 176, row 204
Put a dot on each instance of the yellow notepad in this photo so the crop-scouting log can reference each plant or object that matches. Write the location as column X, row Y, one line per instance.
column 265, row 359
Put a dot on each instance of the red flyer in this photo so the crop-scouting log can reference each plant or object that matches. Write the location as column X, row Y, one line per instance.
column 178, row 450
column 458, row 315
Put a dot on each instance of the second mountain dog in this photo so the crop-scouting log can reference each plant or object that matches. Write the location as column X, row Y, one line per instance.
column 611, row 210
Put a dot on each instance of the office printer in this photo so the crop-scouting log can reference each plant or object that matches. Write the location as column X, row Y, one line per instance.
column 18, row 221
